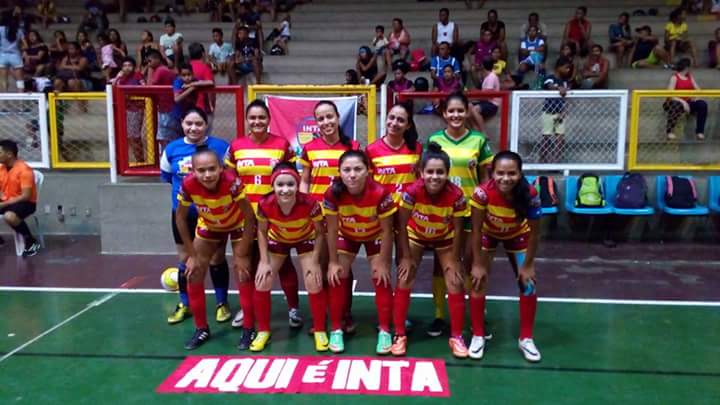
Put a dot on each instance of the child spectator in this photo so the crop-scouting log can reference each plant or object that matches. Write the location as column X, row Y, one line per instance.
column 442, row 59
column 220, row 55
column 107, row 57
column 367, row 68
column 486, row 109
column 159, row 75
column 595, row 70
column 500, row 69
column 445, row 31
column 714, row 50
column 578, row 30
column 398, row 43
column 400, row 83
column 247, row 55
column 11, row 38
column 251, row 19
column 379, row 41
column 284, row 35
column 73, row 72
column 676, row 36
column 677, row 107
column 135, row 111
column 447, row 83
column 621, row 41
column 351, row 77
column 497, row 28
column 186, row 91
column 534, row 21
column 204, row 75
column 35, row 56
column 483, row 50
column 46, row 12
column 532, row 52
column 171, row 43
column 646, row 52
column 147, row 42
column 568, row 51
column 554, row 112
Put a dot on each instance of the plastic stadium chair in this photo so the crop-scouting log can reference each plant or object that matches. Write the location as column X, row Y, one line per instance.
column 660, row 197
column 545, row 210
column 571, row 193
column 19, row 241
column 714, row 193
column 610, row 185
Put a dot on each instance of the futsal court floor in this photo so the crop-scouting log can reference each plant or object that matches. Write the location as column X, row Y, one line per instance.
column 636, row 324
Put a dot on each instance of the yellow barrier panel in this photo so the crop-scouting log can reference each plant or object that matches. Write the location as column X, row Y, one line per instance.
column 148, row 132
column 78, row 130
column 370, row 92
column 653, row 117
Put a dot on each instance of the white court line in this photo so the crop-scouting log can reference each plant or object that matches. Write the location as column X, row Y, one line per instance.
column 603, row 301
column 89, row 306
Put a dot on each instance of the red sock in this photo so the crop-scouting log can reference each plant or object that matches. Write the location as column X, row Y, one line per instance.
column 401, row 303
column 456, row 308
column 289, row 283
column 528, row 307
column 337, row 303
column 349, row 294
column 383, row 304
column 247, row 294
column 477, row 315
column 318, row 306
column 196, row 294
column 262, row 310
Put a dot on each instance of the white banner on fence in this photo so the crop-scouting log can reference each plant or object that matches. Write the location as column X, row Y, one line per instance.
column 24, row 119
column 585, row 130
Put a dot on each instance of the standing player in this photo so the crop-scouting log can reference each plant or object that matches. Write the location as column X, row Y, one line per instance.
column 431, row 217
column 253, row 157
column 224, row 213
column 175, row 164
column 319, row 158
column 470, row 155
column 359, row 213
column 288, row 219
column 505, row 209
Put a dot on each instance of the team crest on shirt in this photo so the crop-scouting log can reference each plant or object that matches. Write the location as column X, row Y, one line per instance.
column 480, row 195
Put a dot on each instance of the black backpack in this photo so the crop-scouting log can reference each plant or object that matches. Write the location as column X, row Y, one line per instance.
column 545, row 186
column 680, row 192
column 631, row 191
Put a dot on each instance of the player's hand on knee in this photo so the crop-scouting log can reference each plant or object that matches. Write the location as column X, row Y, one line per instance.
column 334, row 272
column 405, row 268
column 264, row 275
column 242, row 267
column 478, row 275
column 526, row 274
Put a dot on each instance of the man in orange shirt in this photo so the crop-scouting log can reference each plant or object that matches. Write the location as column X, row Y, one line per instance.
column 18, row 195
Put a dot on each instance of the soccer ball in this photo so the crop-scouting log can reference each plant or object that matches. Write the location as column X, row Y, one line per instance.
column 169, row 279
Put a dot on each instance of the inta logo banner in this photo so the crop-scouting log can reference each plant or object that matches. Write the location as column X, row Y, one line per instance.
column 309, row 375
column 294, row 119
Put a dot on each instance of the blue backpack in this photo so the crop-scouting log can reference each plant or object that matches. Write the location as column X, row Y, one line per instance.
column 631, row 191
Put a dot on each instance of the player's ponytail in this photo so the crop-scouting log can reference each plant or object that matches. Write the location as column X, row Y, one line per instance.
column 344, row 139
column 521, row 192
column 338, row 187
column 410, row 135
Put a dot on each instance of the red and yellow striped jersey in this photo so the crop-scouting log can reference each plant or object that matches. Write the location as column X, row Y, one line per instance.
column 294, row 227
column 219, row 210
column 254, row 162
column 322, row 160
column 500, row 216
column 393, row 168
column 359, row 216
column 432, row 215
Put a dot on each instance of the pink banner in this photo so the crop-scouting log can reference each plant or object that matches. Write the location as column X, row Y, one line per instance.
column 309, row 375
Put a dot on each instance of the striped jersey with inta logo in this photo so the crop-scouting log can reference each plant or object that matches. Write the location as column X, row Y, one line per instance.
column 218, row 210
column 432, row 215
column 322, row 161
column 466, row 155
column 359, row 216
column 500, row 217
column 294, row 227
column 393, row 168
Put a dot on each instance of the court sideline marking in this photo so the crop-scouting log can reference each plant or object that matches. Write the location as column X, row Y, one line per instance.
column 603, row 301
column 91, row 305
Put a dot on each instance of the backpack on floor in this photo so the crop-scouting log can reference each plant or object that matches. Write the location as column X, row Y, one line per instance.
column 589, row 194
column 631, row 191
column 545, row 186
column 680, row 192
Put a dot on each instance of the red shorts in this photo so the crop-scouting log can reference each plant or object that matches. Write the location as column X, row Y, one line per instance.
column 433, row 244
column 513, row 245
column 351, row 247
column 202, row 232
column 283, row 249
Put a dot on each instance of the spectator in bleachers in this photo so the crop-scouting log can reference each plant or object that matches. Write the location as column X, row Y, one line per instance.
column 676, row 36
column 568, row 52
column 398, row 43
column 534, row 21
column 87, row 49
column 73, row 72
column 442, row 59
column 578, row 30
column 203, row 75
column 445, row 31
column 108, row 57
column 714, row 50
column 351, row 77
column 159, row 75
column 647, row 52
column 187, row 92
column 267, row 6
column 35, row 56
column 46, row 12
column 95, row 18
column 11, row 38
column 678, row 107
column 595, row 70
column 247, row 55
column 283, row 36
column 497, row 28
column 367, row 67
column 135, row 111
column 447, row 83
column 250, row 18
column 117, row 43
column 147, row 42
column 532, row 52
column 483, row 50
column 400, row 83
column 486, row 109
column 500, row 69
column 171, row 44
column 58, row 48
column 220, row 55
column 379, row 41
column 621, row 41
column 554, row 112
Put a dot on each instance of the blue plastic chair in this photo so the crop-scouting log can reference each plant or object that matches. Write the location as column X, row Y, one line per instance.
column 714, row 193
column 610, row 184
column 545, row 210
column 571, row 194
column 660, row 189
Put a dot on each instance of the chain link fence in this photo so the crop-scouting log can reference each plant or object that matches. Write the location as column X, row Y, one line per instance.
column 585, row 130
column 78, row 130
column 664, row 135
column 23, row 119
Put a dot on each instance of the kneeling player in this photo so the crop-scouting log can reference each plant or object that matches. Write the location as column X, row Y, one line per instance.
column 505, row 209
column 289, row 219
column 431, row 217
column 224, row 212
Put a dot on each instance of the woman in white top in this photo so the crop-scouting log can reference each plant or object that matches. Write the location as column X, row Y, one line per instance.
column 444, row 31
column 10, row 57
